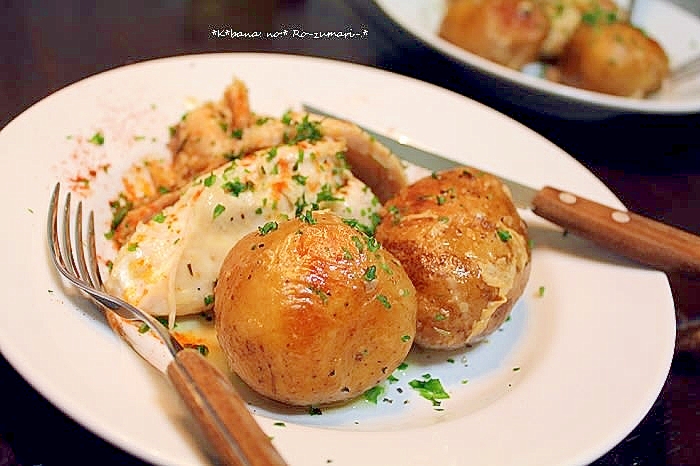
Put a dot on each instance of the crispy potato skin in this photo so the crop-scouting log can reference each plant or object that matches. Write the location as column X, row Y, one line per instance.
column 303, row 322
column 509, row 32
column 616, row 58
column 445, row 231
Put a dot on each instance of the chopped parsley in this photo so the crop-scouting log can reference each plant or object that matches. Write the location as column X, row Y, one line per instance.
column 237, row 187
column 315, row 411
column 320, row 293
column 373, row 394
column 504, row 235
column 267, row 228
column 300, row 179
column 271, row 154
column 372, row 244
column 210, row 180
column 361, row 227
column 430, row 389
column 599, row 16
column 347, row 255
column 203, row 349
column 119, row 207
column 307, row 217
column 164, row 321
column 218, row 210
column 358, row 243
column 395, row 214
column 305, row 131
column 98, row 138
column 326, row 194
column 384, row 300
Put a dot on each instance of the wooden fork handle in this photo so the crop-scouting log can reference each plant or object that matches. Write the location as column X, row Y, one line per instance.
column 223, row 416
column 632, row 235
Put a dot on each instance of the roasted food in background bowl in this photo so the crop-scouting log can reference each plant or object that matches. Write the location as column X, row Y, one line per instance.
column 313, row 311
column 508, row 32
column 589, row 44
column 614, row 58
column 463, row 244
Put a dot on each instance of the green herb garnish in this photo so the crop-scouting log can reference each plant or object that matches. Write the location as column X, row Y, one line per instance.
column 504, row 235
column 373, row 394
column 267, row 228
column 430, row 389
column 210, row 180
column 98, row 138
column 384, row 300
column 218, row 210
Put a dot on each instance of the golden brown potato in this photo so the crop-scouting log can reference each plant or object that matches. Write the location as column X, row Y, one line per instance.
column 509, row 32
column 313, row 312
column 613, row 58
column 465, row 248
column 564, row 17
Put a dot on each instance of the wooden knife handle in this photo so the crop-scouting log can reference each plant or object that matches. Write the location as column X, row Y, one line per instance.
column 634, row 236
column 223, row 416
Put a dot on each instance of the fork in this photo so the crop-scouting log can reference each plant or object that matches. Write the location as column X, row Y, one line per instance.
column 234, row 435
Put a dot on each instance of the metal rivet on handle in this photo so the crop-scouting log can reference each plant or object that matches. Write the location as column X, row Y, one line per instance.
column 620, row 217
column 567, row 198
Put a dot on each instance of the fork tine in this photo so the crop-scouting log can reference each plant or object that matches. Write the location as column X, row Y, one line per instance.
column 79, row 247
column 217, row 407
column 92, row 251
column 68, row 260
column 68, row 255
column 89, row 268
column 52, row 228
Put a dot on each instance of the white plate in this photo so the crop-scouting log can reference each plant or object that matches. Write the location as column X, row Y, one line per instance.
column 677, row 30
column 569, row 376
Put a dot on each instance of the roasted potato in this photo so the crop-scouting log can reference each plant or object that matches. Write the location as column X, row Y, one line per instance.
column 614, row 58
column 508, row 32
column 313, row 311
column 564, row 17
column 465, row 248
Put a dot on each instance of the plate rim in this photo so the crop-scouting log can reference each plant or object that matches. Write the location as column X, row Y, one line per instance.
column 56, row 398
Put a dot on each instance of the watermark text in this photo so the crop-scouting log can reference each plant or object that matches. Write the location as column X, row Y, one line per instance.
column 288, row 33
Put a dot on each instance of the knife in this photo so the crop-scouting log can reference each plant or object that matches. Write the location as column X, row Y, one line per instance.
column 634, row 236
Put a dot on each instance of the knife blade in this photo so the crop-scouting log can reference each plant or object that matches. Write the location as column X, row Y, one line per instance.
column 629, row 234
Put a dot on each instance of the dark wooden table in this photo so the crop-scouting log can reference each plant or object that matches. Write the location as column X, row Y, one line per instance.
column 652, row 163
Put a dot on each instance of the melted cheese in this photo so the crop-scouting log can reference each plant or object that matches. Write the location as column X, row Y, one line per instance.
column 170, row 264
column 501, row 273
